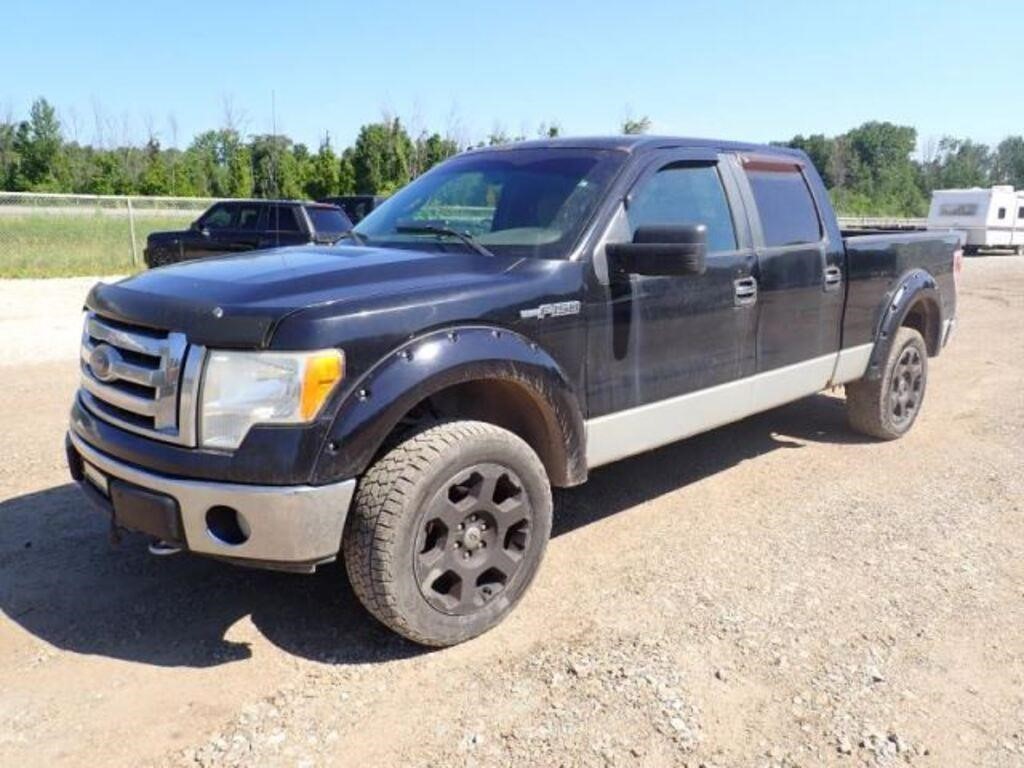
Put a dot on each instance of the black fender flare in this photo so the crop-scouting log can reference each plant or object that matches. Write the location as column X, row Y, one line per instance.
column 426, row 365
column 916, row 288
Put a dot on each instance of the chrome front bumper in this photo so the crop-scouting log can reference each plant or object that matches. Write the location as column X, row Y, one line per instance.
column 296, row 524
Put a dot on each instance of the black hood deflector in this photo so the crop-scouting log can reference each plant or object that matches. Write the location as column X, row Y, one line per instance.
column 238, row 301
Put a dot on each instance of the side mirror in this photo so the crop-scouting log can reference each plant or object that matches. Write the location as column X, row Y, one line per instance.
column 194, row 226
column 662, row 250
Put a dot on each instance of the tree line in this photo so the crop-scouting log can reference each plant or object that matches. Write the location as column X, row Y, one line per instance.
column 36, row 157
column 874, row 169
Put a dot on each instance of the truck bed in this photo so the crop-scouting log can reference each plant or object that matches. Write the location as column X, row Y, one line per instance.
column 877, row 262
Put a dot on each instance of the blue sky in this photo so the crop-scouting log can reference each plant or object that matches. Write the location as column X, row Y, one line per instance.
column 745, row 70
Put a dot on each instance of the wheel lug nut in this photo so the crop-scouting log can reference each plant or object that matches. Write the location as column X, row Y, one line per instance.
column 483, row 526
column 460, row 526
column 465, row 556
column 472, row 518
column 457, row 544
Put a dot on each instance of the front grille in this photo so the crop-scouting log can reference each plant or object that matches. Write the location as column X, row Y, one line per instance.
column 142, row 380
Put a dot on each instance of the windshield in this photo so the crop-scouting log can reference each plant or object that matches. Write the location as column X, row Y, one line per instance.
column 528, row 202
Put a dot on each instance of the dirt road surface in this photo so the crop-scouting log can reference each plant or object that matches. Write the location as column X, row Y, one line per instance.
column 779, row 592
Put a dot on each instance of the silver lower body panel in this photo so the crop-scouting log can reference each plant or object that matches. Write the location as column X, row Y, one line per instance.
column 284, row 524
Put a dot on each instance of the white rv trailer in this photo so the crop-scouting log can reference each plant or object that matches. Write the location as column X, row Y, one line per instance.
column 988, row 218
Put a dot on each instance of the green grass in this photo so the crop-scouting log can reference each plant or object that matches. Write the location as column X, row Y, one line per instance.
column 54, row 245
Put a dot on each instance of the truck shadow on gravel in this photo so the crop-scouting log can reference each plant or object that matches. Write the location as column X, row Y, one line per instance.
column 61, row 582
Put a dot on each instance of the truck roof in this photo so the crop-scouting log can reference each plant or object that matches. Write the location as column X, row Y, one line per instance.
column 641, row 143
column 277, row 201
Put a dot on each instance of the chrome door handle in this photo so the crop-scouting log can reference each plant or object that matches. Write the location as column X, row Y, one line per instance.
column 833, row 278
column 745, row 291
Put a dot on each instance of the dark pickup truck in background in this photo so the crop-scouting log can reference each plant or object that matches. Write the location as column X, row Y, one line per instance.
column 246, row 225
column 508, row 322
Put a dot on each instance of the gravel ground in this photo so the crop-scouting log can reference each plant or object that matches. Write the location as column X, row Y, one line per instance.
column 41, row 320
column 779, row 592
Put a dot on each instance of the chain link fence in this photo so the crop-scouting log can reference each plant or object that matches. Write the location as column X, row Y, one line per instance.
column 51, row 235
column 55, row 235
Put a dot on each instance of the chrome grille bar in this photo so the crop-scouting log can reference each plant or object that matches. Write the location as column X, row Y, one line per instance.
column 143, row 381
column 122, row 339
column 147, row 377
column 118, row 398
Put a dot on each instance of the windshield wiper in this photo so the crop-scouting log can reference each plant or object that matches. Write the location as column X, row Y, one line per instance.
column 437, row 229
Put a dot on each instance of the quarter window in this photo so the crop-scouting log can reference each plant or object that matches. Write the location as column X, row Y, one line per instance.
column 685, row 194
column 784, row 203
column 1020, row 213
column 1002, row 213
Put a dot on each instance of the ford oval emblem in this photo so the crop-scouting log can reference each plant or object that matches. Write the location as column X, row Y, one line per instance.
column 101, row 363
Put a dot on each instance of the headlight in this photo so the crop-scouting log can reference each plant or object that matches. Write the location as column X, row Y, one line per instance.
column 241, row 389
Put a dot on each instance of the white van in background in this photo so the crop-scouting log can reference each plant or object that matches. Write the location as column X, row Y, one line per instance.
column 988, row 218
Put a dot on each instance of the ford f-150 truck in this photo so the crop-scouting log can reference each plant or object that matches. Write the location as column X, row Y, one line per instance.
column 508, row 322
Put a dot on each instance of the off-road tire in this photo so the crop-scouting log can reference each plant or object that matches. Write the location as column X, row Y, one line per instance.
column 390, row 521
column 873, row 406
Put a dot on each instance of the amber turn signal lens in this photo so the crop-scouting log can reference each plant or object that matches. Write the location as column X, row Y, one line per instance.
column 323, row 372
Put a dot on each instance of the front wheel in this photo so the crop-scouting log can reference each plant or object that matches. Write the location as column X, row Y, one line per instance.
column 447, row 531
column 887, row 407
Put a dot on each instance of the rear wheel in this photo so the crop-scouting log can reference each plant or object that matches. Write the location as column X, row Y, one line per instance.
column 448, row 530
column 887, row 407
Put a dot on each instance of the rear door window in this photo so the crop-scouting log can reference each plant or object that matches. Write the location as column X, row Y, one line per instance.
column 282, row 218
column 785, row 206
column 685, row 194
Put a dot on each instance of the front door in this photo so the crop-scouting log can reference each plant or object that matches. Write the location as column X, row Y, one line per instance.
column 226, row 228
column 665, row 353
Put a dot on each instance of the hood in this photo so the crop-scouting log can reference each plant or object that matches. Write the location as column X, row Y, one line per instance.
column 166, row 236
column 237, row 301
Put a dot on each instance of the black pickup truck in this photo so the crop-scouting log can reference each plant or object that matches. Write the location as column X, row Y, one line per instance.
column 508, row 322
column 246, row 225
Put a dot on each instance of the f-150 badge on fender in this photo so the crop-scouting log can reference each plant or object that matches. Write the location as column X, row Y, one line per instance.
column 558, row 309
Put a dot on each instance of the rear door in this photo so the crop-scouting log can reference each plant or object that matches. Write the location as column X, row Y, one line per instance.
column 799, row 281
column 285, row 225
